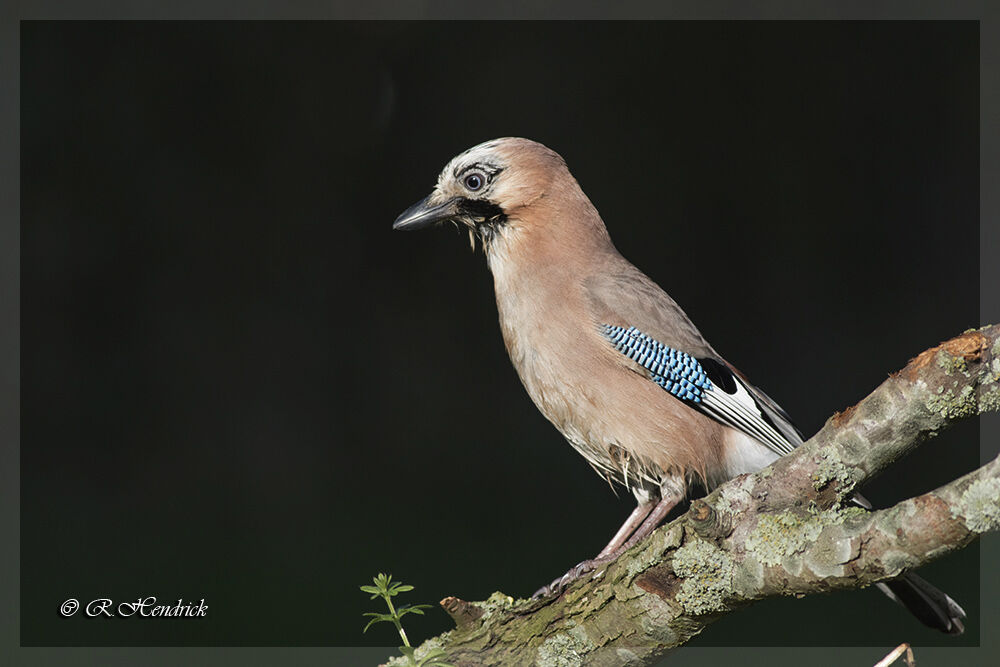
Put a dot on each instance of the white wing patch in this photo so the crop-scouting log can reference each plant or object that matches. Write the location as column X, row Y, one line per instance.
column 740, row 411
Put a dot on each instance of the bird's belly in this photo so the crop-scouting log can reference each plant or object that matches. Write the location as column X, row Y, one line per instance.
column 628, row 428
column 742, row 454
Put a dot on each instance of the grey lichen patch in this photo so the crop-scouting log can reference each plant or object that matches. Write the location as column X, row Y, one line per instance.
column 707, row 574
column 854, row 448
column 748, row 577
column 979, row 506
column 854, row 520
column 852, row 514
column 667, row 539
column 496, row 602
column 832, row 468
column 656, row 618
column 989, row 401
column 875, row 407
column 733, row 498
column 952, row 363
column 636, row 566
column 777, row 538
column 660, row 542
column 994, row 373
column 888, row 522
column 951, row 406
column 792, row 564
column 565, row 649
column 828, row 556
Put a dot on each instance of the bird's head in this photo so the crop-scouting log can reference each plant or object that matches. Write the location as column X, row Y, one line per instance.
column 493, row 187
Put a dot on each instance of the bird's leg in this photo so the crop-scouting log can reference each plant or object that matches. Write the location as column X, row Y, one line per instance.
column 650, row 515
column 637, row 516
column 655, row 518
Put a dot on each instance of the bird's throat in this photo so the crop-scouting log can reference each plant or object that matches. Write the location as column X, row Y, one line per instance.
column 484, row 219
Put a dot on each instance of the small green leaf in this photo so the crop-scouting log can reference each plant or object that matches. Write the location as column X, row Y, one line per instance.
column 377, row 618
column 370, row 589
column 431, row 659
column 397, row 588
column 416, row 609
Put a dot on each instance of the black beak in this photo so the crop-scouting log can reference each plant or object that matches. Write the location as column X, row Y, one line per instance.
column 424, row 214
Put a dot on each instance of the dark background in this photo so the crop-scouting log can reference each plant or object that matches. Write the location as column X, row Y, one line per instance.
column 239, row 385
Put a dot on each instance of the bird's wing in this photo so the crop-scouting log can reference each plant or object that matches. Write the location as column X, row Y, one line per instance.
column 782, row 422
column 644, row 324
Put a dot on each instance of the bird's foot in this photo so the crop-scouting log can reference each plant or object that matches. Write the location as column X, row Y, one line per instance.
column 559, row 585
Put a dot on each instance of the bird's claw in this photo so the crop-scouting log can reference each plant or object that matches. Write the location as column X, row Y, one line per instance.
column 559, row 584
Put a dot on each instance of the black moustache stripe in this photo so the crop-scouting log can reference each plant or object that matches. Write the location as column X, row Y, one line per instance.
column 482, row 212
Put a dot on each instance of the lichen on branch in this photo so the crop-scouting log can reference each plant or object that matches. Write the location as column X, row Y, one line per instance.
column 785, row 530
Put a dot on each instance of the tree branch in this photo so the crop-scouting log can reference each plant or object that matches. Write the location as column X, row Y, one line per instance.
column 780, row 531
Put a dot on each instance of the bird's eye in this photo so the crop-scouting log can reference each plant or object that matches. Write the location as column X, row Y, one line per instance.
column 474, row 181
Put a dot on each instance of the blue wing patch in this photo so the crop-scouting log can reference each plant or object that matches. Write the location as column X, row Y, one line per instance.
column 729, row 402
column 677, row 372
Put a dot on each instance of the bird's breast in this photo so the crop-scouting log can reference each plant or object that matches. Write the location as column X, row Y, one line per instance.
column 625, row 425
column 543, row 323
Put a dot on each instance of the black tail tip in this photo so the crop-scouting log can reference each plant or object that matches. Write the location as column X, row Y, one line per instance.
column 931, row 606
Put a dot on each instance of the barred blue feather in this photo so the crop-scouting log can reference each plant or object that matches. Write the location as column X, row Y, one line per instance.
column 688, row 380
column 676, row 371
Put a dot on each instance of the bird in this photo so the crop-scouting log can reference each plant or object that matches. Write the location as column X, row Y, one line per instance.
column 608, row 357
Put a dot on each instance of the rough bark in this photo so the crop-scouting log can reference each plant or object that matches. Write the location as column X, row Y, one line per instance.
column 780, row 531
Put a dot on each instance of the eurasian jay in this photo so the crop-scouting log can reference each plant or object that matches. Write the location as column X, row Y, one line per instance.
column 607, row 356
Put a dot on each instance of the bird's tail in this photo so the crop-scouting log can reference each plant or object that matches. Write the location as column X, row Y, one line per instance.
column 931, row 606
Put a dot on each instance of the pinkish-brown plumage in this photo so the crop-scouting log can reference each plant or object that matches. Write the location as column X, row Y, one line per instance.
column 558, row 277
column 560, row 284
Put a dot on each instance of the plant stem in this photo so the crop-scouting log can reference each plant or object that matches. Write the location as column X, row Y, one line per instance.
column 395, row 620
